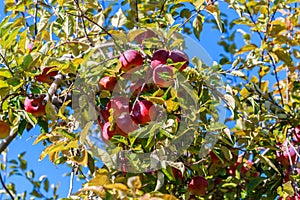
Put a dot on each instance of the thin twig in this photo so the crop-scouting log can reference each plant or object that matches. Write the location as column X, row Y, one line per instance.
column 162, row 7
column 5, row 188
column 137, row 11
column 71, row 183
column 35, row 18
column 6, row 63
column 83, row 22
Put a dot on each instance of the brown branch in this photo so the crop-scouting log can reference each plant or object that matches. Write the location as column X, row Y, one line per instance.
column 6, row 63
column 7, row 141
column 5, row 188
column 35, row 18
column 51, row 91
column 83, row 22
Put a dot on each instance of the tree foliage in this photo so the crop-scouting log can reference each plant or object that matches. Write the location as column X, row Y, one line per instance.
column 253, row 153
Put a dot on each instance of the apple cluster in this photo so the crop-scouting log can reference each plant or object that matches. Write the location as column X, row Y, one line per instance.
column 122, row 115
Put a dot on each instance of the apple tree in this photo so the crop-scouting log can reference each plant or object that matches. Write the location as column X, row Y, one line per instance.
column 121, row 100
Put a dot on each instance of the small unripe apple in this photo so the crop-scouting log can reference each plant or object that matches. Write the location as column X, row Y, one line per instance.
column 107, row 83
column 35, row 105
column 119, row 105
column 125, row 124
column 106, row 133
column 4, row 129
column 179, row 56
column 131, row 60
column 144, row 111
column 46, row 76
column 159, row 57
column 198, row 186
column 163, row 76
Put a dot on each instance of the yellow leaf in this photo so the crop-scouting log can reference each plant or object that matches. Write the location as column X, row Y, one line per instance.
column 246, row 48
column 117, row 186
column 62, row 109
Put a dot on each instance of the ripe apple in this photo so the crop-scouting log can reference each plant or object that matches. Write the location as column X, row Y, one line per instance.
column 106, row 133
column 131, row 60
column 103, row 118
column 107, row 83
column 163, row 76
column 46, row 76
column 214, row 158
column 136, row 86
column 179, row 56
column 125, row 124
column 35, row 105
column 144, row 111
column 283, row 155
column 296, row 135
column 198, row 186
column 177, row 174
column 4, row 129
column 119, row 105
column 159, row 57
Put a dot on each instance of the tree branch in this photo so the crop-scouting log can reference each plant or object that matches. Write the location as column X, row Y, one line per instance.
column 7, row 141
column 51, row 91
column 6, row 63
column 5, row 188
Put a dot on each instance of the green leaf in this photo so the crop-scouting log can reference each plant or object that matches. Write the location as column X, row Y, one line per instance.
column 197, row 26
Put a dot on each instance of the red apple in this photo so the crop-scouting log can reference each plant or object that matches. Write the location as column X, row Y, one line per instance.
column 30, row 47
column 177, row 174
column 163, row 76
column 107, row 83
column 119, row 105
column 144, row 111
column 159, row 57
column 179, row 56
column 136, row 86
column 46, row 76
column 198, row 186
column 283, row 155
column 296, row 135
column 103, row 118
column 214, row 158
column 125, row 124
column 131, row 60
column 35, row 106
column 106, row 133
column 4, row 129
